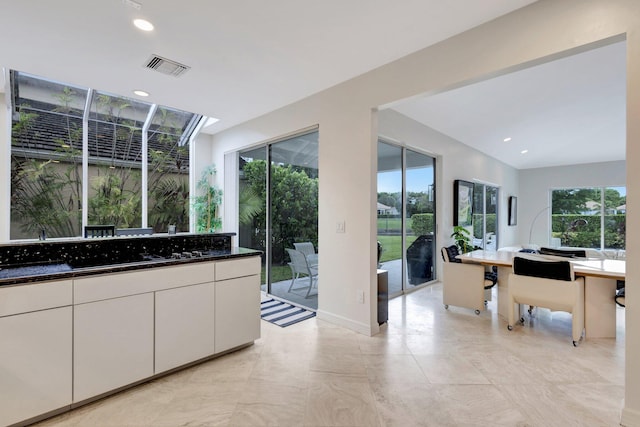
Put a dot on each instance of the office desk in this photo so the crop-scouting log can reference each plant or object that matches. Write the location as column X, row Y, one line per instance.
column 600, row 277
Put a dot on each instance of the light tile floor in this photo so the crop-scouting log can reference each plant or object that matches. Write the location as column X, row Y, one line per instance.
column 428, row 367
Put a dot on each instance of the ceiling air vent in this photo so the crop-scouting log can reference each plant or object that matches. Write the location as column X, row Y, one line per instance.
column 166, row 66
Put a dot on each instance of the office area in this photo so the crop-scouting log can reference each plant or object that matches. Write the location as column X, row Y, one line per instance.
column 347, row 142
column 347, row 130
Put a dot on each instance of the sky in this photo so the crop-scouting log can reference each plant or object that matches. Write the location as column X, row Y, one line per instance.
column 418, row 180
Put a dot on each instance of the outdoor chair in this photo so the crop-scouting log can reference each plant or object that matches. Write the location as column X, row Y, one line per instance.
column 300, row 267
column 308, row 251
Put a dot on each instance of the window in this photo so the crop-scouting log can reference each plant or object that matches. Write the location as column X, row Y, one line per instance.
column 406, row 216
column 50, row 123
column 485, row 216
column 277, row 208
column 589, row 217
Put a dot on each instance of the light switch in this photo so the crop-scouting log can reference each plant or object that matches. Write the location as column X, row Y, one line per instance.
column 340, row 227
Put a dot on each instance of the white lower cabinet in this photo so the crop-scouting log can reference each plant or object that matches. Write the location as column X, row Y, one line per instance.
column 64, row 342
column 35, row 363
column 237, row 312
column 113, row 344
column 184, row 325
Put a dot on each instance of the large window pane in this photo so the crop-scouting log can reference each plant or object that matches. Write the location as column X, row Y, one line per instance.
column 168, row 177
column 615, row 222
column 252, row 203
column 485, row 216
column 293, row 207
column 46, row 158
column 115, row 158
column 420, row 228
column 390, row 213
column 589, row 217
column 278, row 208
column 406, row 183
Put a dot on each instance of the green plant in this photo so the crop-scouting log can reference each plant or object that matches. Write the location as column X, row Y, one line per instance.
column 171, row 204
column 462, row 238
column 206, row 203
column 250, row 204
column 421, row 224
column 112, row 203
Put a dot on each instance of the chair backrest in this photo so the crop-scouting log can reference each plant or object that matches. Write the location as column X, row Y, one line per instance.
column 298, row 260
column 449, row 253
column 305, row 247
column 133, row 231
column 568, row 253
column 555, row 270
column 99, row 230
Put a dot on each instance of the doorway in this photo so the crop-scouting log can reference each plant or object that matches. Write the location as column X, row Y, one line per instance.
column 277, row 209
column 406, row 217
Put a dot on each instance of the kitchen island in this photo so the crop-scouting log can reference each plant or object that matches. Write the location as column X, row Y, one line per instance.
column 120, row 311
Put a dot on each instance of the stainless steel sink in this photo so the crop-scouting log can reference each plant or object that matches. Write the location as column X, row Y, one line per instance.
column 33, row 269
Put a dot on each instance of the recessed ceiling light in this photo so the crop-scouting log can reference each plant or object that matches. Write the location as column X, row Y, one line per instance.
column 524, row 151
column 143, row 24
column 507, row 139
column 141, row 93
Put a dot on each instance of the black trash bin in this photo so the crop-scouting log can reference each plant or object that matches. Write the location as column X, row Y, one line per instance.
column 420, row 260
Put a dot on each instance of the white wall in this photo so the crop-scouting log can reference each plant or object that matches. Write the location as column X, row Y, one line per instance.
column 545, row 30
column 536, row 183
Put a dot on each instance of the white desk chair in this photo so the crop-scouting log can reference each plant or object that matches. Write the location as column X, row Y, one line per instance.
column 549, row 284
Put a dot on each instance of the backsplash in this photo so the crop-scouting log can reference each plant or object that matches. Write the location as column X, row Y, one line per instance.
column 110, row 250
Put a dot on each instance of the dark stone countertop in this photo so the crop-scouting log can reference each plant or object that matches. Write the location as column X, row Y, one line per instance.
column 20, row 274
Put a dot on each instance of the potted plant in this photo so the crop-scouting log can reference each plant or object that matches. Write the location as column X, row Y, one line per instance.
column 462, row 239
column 206, row 203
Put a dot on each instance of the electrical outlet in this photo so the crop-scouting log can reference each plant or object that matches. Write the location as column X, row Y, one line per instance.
column 361, row 297
column 340, row 227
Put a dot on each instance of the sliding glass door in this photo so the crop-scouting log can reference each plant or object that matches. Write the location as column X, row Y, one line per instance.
column 406, row 216
column 278, row 208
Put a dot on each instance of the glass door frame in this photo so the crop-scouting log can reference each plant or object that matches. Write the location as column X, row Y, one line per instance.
column 484, row 212
column 405, row 288
column 268, row 246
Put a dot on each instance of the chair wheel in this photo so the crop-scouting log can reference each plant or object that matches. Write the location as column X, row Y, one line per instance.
column 446, row 306
column 575, row 343
column 522, row 320
column 478, row 312
column 509, row 327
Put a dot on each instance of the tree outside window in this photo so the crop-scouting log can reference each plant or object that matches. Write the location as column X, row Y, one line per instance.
column 589, row 217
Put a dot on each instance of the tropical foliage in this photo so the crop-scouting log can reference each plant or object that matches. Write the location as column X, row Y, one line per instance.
column 294, row 209
column 206, row 202
column 46, row 182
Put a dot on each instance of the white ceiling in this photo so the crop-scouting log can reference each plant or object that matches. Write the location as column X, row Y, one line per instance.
column 568, row 111
column 248, row 57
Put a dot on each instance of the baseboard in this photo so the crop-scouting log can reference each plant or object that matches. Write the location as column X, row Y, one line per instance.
column 361, row 328
column 630, row 418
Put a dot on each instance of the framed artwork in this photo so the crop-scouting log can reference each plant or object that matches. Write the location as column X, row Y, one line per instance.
column 513, row 210
column 462, row 203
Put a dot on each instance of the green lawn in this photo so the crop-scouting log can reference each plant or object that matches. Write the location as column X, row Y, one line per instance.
column 392, row 223
column 392, row 247
column 278, row 273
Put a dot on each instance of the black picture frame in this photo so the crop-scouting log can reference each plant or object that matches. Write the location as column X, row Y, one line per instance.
column 513, row 211
column 462, row 203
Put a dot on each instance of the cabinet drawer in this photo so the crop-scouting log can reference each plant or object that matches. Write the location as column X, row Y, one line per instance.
column 34, row 297
column 237, row 268
column 117, row 285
